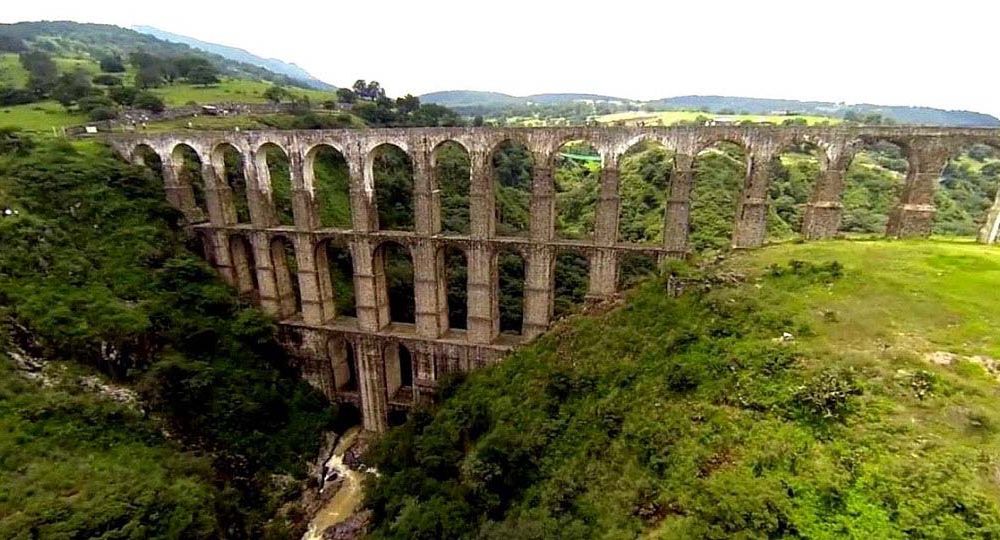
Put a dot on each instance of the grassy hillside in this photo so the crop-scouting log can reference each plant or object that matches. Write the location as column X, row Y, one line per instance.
column 77, row 464
column 96, row 272
column 81, row 40
column 852, row 395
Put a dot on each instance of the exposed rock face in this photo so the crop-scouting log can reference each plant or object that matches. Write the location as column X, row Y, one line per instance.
column 354, row 527
column 363, row 360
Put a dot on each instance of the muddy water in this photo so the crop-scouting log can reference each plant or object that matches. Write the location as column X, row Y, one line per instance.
column 348, row 497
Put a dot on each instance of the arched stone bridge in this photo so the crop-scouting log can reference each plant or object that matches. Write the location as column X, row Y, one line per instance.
column 359, row 359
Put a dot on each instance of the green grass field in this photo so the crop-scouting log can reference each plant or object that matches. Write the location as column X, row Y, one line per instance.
column 11, row 72
column 773, row 399
column 231, row 91
column 666, row 118
column 41, row 117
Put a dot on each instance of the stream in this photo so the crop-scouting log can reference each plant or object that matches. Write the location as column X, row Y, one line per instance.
column 348, row 497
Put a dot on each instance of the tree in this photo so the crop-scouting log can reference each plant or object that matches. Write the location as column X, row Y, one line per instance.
column 407, row 104
column 346, row 95
column 478, row 121
column 123, row 95
column 149, row 101
column 107, row 79
column 276, row 93
column 98, row 114
column 42, row 72
column 71, row 87
column 185, row 65
column 203, row 75
column 112, row 64
column 11, row 44
column 148, row 77
column 372, row 91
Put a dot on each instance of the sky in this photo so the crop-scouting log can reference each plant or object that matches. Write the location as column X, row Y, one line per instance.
column 928, row 53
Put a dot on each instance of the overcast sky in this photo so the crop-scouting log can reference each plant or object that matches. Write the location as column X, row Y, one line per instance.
column 938, row 54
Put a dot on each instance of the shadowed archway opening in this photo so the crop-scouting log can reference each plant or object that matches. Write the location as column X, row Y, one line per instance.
column 326, row 169
column 512, row 166
column 398, row 372
column 510, row 276
column 275, row 171
column 793, row 174
column 187, row 167
column 966, row 191
column 576, row 175
column 201, row 244
column 144, row 155
column 720, row 172
column 634, row 268
column 392, row 171
column 571, row 277
column 227, row 161
column 286, row 273
column 394, row 279
column 872, row 185
column 456, row 272
column 643, row 186
column 344, row 364
column 452, row 174
column 244, row 265
column 338, row 277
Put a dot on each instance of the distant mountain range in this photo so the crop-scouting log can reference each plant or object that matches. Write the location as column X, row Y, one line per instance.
column 239, row 55
column 476, row 102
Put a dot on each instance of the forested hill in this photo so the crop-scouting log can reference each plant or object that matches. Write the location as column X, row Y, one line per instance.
column 239, row 55
column 72, row 39
column 487, row 103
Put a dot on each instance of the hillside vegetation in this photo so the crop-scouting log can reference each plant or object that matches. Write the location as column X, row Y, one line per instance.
column 96, row 276
column 828, row 390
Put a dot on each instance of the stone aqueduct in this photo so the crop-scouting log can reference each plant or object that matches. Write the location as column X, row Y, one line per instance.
column 333, row 350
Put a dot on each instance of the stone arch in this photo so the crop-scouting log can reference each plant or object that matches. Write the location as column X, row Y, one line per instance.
column 451, row 166
column 274, row 175
column 874, row 178
column 454, row 272
column 512, row 167
column 187, row 167
column 244, row 263
column 230, row 171
column 794, row 172
column 644, row 173
column 144, row 155
column 285, row 265
column 325, row 169
column 570, row 281
column 200, row 243
column 399, row 371
column 633, row 267
column 335, row 278
column 392, row 171
column 344, row 364
column 966, row 193
column 720, row 170
column 576, row 167
column 395, row 294
column 511, row 267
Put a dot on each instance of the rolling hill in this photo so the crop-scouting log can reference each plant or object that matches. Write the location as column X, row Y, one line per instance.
column 69, row 39
column 239, row 55
column 486, row 103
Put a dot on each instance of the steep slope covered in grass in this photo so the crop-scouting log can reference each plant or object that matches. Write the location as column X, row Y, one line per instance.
column 773, row 398
column 94, row 271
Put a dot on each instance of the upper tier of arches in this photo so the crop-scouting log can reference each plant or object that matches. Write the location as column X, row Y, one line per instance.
column 927, row 151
